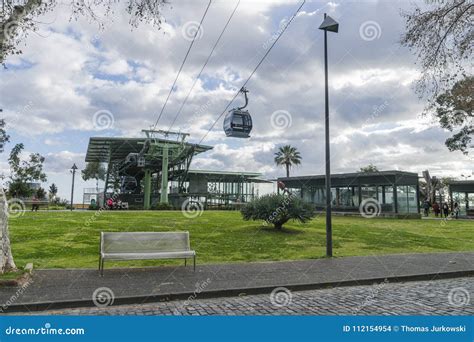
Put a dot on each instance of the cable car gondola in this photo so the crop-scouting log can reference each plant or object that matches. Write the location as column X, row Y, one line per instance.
column 238, row 122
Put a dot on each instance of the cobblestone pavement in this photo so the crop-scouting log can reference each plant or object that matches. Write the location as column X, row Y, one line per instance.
column 437, row 297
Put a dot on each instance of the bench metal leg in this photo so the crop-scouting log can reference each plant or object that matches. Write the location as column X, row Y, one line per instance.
column 194, row 263
column 185, row 262
column 102, row 268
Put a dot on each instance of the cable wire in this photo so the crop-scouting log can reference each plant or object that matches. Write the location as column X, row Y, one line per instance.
column 204, row 66
column 182, row 64
column 254, row 70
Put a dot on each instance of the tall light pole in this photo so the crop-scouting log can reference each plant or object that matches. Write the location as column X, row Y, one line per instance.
column 73, row 170
column 329, row 24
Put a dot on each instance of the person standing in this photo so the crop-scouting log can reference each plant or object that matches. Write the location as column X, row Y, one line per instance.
column 456, row 210
column 436, row 208
column 110, row 203
column 426, row 207
column 445, row 209
column 35, row 205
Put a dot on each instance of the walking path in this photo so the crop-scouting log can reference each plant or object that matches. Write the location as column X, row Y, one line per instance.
column 54, row 289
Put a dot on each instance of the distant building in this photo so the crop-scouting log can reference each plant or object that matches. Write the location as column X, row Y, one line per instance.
column 462, row 192
column 393, row 192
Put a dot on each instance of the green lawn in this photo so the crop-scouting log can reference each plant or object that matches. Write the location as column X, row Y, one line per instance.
column 64, row 240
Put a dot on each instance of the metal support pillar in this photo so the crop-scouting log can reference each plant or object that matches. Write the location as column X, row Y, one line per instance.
column 164, row 176
column 147, row 189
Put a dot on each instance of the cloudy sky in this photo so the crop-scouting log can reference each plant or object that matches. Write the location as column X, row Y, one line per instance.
column 75, row 81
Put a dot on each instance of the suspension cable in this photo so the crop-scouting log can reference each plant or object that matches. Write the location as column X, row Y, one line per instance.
column 254, row 70
column 182, row 64
column 204, row 66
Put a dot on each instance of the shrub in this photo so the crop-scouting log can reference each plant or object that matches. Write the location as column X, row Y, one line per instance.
column 278, row 209
column 162, row 206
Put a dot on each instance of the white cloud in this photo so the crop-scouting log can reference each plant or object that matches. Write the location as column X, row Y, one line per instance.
column 54, row 89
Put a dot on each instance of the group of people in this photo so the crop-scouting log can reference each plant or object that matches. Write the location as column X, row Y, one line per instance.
column 114, row 204
column 442, row 210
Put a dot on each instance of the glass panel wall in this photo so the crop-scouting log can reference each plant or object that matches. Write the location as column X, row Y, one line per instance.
column 369, row 192
column 460, row 198
column 345, row 197
column 406, row 199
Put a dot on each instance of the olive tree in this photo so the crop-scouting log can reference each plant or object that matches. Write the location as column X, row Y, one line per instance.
column 19, row 18
column 440, row 35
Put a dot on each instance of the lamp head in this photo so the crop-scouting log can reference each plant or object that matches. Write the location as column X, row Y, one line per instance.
column 329, row 24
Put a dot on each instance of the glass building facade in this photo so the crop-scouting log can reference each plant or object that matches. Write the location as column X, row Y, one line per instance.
column 394, row 191
column 462, row 192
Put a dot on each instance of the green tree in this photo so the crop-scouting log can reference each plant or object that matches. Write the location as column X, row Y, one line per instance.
column 40, row 194
column 287, row 156
column 94, row 170
column 23, row 172
column 369, row 168
column 53, row 191
column 278, row 209
column 440, row 35
column 4, row 137
column 20, row 18
column 453, row 110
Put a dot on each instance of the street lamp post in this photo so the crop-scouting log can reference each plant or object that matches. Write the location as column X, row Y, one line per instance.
column 73, row 170
column 329, row 24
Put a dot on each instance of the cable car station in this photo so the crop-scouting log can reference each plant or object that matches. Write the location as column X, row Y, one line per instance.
column 156, row 169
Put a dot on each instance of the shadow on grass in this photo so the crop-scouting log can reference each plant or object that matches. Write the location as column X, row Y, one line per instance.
column 284, row 230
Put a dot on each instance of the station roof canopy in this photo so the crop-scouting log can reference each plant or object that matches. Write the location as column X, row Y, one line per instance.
column 461, row 186
column 227, row 176
column 354, row 178
column 101, row 148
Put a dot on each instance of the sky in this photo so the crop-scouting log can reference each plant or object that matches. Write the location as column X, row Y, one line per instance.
column 75, row 81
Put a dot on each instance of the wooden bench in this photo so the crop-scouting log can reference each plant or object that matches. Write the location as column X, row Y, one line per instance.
column 145, row 246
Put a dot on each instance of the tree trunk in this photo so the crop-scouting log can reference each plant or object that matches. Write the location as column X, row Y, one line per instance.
column 6, row 257
column 279, row 224
column 287, row 170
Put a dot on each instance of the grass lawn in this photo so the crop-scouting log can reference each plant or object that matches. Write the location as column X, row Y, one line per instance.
column 63, row 240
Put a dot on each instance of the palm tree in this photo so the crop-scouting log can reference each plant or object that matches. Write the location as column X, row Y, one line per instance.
column 287, row 155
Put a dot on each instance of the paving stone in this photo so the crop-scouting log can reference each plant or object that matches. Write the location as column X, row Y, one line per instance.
column 314, row 302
